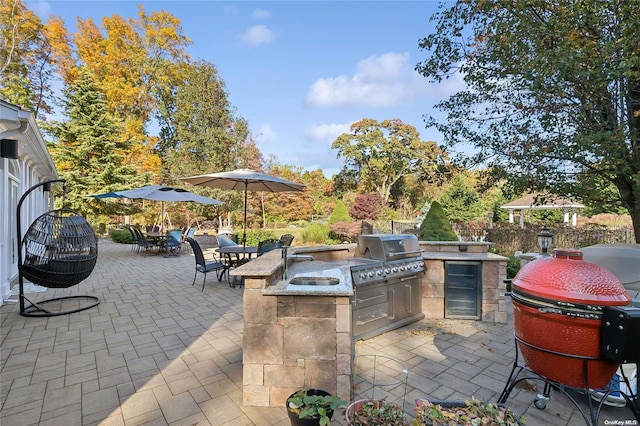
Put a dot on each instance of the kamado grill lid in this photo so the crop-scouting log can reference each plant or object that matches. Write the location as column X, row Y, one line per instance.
column 566, row 277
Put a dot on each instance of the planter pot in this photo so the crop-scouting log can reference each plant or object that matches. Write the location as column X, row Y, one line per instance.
column 356, row 406
column 451, row 404
column 296, row 421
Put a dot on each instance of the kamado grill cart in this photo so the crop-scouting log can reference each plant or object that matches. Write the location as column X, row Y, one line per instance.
column 559, row 304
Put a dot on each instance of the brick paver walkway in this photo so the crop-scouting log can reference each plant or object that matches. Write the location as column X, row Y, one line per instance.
column 160, row 351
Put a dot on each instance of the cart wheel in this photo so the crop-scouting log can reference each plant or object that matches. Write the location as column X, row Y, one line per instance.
column 540, row 403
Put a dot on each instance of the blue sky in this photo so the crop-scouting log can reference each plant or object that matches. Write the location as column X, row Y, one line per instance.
column 300, row 72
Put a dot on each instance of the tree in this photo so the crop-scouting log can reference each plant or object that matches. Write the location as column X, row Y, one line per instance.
column 461, row 201
column 553, row 94
column 366, row 206
column 380, row 154
column 25, row 72
column 87, row 149
column 199, row 130
column 133, row 59
column 339, row 213
column 436, row 225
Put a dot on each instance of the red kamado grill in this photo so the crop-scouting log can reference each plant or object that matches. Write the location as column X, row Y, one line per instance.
column 557, row 316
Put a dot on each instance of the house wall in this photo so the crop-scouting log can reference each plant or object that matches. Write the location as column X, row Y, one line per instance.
column 33, row 165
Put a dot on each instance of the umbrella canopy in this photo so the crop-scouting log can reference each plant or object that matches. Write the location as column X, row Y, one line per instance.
column 244, row 180
column 160, row 193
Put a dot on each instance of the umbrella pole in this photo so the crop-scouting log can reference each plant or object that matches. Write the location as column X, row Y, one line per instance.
column 244, row 230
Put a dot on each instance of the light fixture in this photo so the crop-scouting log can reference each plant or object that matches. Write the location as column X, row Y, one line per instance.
column 9, row 148
column 545, row 240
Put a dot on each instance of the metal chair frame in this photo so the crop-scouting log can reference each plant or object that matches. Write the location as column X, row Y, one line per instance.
column 202, row 265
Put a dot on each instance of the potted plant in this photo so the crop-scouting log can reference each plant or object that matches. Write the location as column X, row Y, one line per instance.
column 463, row 413
column 374, row 412
column 312, row 407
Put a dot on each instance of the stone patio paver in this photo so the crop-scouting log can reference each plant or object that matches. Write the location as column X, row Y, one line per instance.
column 159, row 351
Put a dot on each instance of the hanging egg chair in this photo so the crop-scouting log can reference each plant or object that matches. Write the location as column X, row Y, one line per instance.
column 60, row 250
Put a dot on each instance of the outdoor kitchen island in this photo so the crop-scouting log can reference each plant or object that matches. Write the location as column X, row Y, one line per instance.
column 298, row 336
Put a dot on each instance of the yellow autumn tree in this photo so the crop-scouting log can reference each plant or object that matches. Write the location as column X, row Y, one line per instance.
column 133, row 59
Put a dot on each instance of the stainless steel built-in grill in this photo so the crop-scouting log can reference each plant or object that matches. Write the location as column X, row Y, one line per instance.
column 387, row 289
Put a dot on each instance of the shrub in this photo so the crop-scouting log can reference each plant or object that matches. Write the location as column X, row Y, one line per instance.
column 436, row 226
column 316, row 233
column 345, row 231
column 122, row 236
column 513, row 266
column 339, row 213
column 254, row 236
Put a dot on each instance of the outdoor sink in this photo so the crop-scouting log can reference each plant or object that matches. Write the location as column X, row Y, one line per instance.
column 315, row 281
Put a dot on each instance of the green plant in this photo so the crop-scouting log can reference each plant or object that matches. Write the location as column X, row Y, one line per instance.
column 311, row 405
column 373, row 412
column 468, row 413
column 122, row 236
column 316, row 233
column 339, row 213
column 513, row 266
column 436, row 226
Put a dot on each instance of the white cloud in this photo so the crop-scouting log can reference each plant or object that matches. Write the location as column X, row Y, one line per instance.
column 266, row 134
column 261, row 14
column 327, row 133
column 256, row 35
column 378, row 81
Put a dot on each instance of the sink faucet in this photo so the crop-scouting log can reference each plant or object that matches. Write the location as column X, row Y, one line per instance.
column 286, row 257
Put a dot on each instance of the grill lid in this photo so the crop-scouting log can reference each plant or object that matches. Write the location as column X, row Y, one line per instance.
column 388, row 246
column 566, row 277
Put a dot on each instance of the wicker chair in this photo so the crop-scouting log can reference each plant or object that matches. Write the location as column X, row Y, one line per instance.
column 268, row 245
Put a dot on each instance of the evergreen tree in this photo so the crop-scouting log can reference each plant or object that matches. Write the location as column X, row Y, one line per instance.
column 87, row 150
column 339, row 213
column 461, row 201
column 436, row 225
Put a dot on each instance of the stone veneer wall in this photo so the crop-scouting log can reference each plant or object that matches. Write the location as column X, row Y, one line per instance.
column 494, row 272
column 293, row 342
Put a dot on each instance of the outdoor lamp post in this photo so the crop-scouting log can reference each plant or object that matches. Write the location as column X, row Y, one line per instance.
column 545, row 240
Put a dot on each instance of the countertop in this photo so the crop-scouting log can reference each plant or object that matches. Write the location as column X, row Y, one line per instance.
column 268, row 264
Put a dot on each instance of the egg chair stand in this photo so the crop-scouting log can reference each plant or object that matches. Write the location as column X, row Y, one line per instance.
column 522, row 372
column 60, row 250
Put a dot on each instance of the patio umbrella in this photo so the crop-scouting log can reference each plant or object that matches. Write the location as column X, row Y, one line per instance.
column 245, row 180
column 160, row 193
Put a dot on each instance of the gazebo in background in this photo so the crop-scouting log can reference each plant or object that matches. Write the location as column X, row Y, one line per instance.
column 549, row 202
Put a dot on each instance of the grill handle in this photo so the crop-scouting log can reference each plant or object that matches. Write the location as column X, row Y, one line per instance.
column 371, row 298
column 405, row 253
column 371, row 320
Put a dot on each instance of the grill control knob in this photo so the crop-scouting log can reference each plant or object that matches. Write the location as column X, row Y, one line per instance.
column 371, row 273
column 395, row 269
column 387, row 271
column 379, row 272
column 363, row 275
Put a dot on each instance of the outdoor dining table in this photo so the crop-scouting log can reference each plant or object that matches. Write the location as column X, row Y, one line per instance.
column 238, row 250
column 159, row 239
column 228, row 251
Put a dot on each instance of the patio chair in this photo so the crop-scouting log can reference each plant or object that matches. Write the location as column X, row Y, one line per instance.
column 143, row 243
column 190, row 232
column 134, row 238
column 268, row 245
column 173, row 243
column 286, row 239
column 202, row 265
